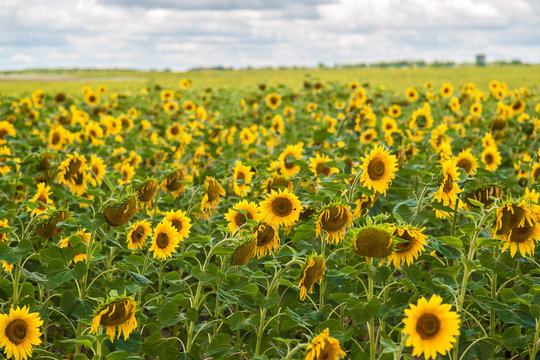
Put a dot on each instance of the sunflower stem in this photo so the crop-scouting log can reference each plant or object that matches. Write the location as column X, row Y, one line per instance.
column 371, row 322
column 492, row 319
column 321, row 287
column 260, row 331
column 536, row 342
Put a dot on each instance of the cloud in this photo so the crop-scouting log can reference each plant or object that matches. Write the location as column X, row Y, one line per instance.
column 184, row 34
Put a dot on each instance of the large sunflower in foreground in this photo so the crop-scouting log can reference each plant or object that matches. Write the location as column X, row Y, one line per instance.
column 334, row 220
column 411, row 247
column 238, row 218
column 281, row 208
column 116, row 313
column 165, row 240
column 324, row 347
column 517, row 224
column 432, row 327
column 267, row 239
column 378, row 168
column 18, row 332
column 313, row 271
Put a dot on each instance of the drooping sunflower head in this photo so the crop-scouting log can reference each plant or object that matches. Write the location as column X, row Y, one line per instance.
column 378, row 169
column 410, row 246
column 46, row 225
column 138, row 233
column 278, row 182
column 267, row 239
column 165, row 240
column 19, row 331
column 180, row 221
column 332, row 221
column 147, row 190
column 517, row 224
column 244, row 250
column 312, row 272
column 240, row 213
column 373, row 241
column 484, row 194
column 467, row 161
column 281, row 208
column 175, row 181
column 432, row 327
column 324, row 347
column 118, row 312
column 212, row 195
column 117, row 212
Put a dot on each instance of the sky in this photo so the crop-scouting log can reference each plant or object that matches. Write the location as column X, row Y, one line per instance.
column 182, row 34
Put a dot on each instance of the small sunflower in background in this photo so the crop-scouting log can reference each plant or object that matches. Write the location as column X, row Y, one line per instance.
column 411, row 246
column 91, row 98
column 476, row 110
column 189, row 106
column 267, row 239
column 467, row 161
column 212, row 195
column 180, row 221
column 42, row 195
column 185, row 83
column 118, row 312
column 165, row 240
column 170, row 107
column 281, row 208
column 174, row 182
column 324, row 347
column 378, row 169
column 242, row 176
column 312, row 272
column 167, row 95
column 448, row 191
column 446, row 90
column 287, row 158
column 98, row 167
column 332, row 222
column 19, row 331
column 126, row 174
column 412, row 94
column 394, row 111
column 368, row 136
column 84, row 235
column 273, row 101
column 138, row 233
column 432, row 327
column 236, row 216
column 6, row 128
column 491, row 158
column 318, row 167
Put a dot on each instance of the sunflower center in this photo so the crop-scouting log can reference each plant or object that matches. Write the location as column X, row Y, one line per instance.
column 138, row 235
column 404, row 246
column 465, row 164
column 240, row 176
column 240, row 219
column 177, row 224
column 147, row 191
column 3, row 132
column 448, row 184
column 282, row 207
column 174, row 182
column 78, row 178
column 376, row 169
column 175, row 130
column 522, row 233
column 334, row 219
column 266, row 236
column 428, row 326
column 16, row 331
column 162, row 240
column 273, row 100
column 322, row 169
column 73, row 166
column 536, row 174
column 118, row 313
column 511, row 219
column 213, row 192
column 92, row 98
column 314, row 273
column 56, row 138
column 421, row 121
column 327, row 353
column 289, row 161
column 373, row 242
column 489, row 159
column 42, row 198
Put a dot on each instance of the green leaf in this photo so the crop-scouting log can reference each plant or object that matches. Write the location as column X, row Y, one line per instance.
column 452, row 241
column 139, row 278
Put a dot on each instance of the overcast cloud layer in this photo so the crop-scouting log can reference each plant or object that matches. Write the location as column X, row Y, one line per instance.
column 193, row 33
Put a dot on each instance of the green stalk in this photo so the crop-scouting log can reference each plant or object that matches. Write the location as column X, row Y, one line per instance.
column 371, row 322
column 321, row 287
column 536, row 340
column 492, row 319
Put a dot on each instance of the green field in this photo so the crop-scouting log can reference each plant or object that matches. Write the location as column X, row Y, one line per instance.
column 20, row 83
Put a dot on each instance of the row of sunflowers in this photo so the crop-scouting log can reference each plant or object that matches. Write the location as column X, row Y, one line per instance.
column 333, row 221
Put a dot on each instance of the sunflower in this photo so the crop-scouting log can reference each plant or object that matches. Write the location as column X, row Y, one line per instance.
column 378, row 168
column 189, row 106
column 518, row 106
column 102, row 89
column 7, row 267
column 174, row 182
column 412, row 245
column 364, row 203
column 6, row 128
column 334, row 220
column 267, row 239
column 57, row 138
column 476, row 110
column 446, row 90
column 484, row 194
column 389, row 124
column 312, row 272
column 466, row 161
column 394, row 111
column 118, row 312
column 4, row 150
column 517, row 224
column 18, row 332
column 93, row 131
column 3, row 225
column 491, row 158
column 137, row 234
column 185, row 83
column 42, row 195
column 432, row 327
column 281, row 208
column 238, row 218
column 287, row 158
column 412, row 94
column 170, row 107
column 165, row 240
column 318, row 168
column 421, row 119
column 72, row 172
column 127, row 171
column 180, row 221
column 118, row 212
column 242, row 177
column 277, row 124
column 373, row 241
column 212, row 195
column 147, row 190
column 324, row 347
column 46, row 225
column 91, row 98
column 448, row 191
column 273, row 101
column 85, row 236
column 167, row 95
column 243, row 251
column 278, row 182
column 247, row 136
column 175, row 131
column 368, row 136
column 98, row 168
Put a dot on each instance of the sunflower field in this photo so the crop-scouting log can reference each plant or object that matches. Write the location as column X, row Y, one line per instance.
column 335, row 221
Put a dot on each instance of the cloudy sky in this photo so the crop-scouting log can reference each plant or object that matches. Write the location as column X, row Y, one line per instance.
column 180, row 34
